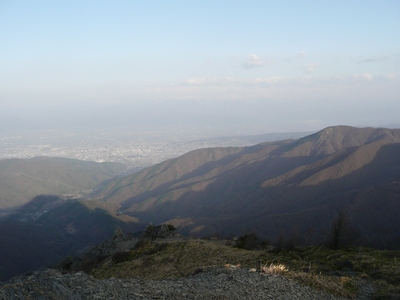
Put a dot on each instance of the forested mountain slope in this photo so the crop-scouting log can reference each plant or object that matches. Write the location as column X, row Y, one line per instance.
column 292, row 189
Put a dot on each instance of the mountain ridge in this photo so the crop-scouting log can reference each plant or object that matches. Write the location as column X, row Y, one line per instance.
column 289, row 191
column 237, row 190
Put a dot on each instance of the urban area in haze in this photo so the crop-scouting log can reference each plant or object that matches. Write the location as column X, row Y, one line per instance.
column 136, row 149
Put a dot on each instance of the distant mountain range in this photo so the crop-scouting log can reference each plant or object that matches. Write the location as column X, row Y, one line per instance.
column 292, row 189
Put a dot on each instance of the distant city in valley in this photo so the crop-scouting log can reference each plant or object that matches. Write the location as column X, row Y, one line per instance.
column 136, row 149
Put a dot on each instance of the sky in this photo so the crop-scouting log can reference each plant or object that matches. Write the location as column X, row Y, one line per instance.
column 239, row 66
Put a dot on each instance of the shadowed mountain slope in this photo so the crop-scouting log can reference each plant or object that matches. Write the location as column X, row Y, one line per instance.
column 47, row 229
column 23, row 179
column 294, row 189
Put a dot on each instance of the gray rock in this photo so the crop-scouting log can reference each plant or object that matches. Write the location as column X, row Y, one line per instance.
column 220, row 283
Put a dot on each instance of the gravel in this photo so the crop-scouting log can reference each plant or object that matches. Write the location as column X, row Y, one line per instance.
column 221, row 283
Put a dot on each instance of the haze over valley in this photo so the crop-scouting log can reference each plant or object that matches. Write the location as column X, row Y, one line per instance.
column 134, row 148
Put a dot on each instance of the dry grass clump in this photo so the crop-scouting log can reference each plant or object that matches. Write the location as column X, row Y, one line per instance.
column 274, row 269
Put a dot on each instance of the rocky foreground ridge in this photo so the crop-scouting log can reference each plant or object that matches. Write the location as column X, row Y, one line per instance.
column 68, row 281
column 220, row 283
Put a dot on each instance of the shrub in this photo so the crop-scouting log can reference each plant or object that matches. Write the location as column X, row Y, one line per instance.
column 121, row 257
column 160, row 231
column 248, row 242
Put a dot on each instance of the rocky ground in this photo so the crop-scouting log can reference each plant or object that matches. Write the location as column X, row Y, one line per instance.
column 221, row 283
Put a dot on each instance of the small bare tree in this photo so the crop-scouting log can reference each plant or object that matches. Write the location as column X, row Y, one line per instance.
column 341, row 234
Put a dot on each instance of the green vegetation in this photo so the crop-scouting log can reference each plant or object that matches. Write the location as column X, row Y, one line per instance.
column 339, row 271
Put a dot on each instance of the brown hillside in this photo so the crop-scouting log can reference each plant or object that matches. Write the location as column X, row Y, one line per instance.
column 289, row 188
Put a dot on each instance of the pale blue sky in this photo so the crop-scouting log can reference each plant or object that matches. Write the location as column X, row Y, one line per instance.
column 256, row 65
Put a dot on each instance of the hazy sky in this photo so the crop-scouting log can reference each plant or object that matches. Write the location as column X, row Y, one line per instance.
column 240, row 65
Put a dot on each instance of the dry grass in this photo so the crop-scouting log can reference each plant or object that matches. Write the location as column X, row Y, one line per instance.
column 344, row 286
column 177, row 259
column 274, row 269
column 336, row 271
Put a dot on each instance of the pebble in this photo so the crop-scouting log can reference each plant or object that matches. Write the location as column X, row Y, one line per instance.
column 219, row 283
